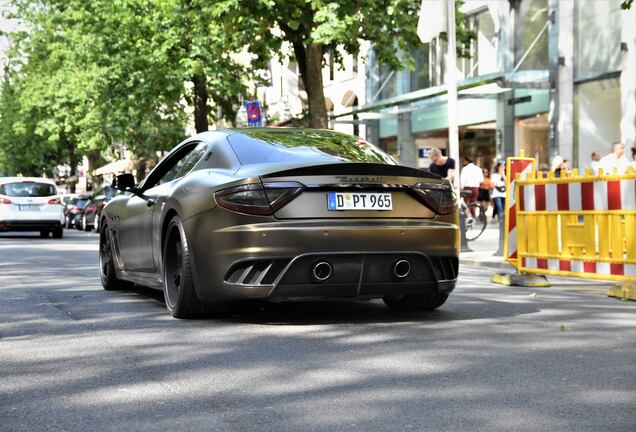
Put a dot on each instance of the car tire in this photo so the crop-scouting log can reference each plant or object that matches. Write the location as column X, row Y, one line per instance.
column 178, row 285
column 44, row 233
column 58, row 233
column 107, row 264
column 415, row 302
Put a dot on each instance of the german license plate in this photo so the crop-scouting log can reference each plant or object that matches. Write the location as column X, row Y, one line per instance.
column 359, row 201
column 29, row 207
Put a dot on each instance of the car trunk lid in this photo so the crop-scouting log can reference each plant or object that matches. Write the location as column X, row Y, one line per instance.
column 364, row 182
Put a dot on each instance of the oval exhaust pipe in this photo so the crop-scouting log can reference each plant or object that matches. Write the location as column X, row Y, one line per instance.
column 322, row 271
column 401, row 268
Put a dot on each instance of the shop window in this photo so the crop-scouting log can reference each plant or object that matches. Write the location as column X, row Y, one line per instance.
column 531, row 135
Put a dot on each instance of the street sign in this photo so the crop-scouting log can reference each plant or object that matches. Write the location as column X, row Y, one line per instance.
column 253, row 114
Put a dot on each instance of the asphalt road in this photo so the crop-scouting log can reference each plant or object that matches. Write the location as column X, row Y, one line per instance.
column 76, row 358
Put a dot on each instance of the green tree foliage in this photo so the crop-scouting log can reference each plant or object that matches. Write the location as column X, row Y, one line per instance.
column 94, row 77
column 314, row 28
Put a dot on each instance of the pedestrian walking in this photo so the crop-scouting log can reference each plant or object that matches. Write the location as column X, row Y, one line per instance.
column 483, row 194
column 616, row 159
column 498, row 180
column 594, row 163
column 558, row 166
column 471, row 176
column 441, row 165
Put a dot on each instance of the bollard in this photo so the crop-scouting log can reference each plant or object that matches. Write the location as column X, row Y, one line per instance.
column 502, row 235
column 462, row 226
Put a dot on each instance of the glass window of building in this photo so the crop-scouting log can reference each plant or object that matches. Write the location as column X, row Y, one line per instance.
column 598, row 37
column 486, row 43
column 420, row 75
column 532, row 17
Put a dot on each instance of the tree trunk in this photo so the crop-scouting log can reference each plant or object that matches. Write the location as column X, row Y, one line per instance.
column 73, row 161
column 311, row 72
column 200, row 104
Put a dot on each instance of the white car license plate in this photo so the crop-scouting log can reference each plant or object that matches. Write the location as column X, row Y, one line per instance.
column 29, row 207
column 359, row 201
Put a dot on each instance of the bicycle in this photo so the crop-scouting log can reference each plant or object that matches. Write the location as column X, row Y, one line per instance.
column 475, row 214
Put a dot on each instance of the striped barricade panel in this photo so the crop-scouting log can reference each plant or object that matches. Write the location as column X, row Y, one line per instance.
column 522, row 167
column 578, row 226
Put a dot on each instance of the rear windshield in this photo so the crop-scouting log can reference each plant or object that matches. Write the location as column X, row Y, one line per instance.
column 28, row 189
column 267, row 146
column 78, row 202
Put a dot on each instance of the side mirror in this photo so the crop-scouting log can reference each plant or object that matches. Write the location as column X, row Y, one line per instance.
column 124, row 182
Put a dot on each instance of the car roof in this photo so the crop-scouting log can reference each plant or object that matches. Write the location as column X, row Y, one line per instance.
column 4, row 180
column 211, row 136
column 279, row 130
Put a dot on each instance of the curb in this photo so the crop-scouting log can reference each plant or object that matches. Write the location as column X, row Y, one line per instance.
column 499, row 264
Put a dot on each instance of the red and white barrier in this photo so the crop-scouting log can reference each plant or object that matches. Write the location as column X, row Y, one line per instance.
column 523, row 167
column 601, row 197
column 579, row 196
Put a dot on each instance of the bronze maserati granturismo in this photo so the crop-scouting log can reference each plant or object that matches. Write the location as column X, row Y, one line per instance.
column 281, row 215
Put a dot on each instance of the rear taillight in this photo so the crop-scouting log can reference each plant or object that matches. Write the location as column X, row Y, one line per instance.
column 258, row 199
column 4, row 200
column 74, row 209
column 55, row 201
column 439, row 197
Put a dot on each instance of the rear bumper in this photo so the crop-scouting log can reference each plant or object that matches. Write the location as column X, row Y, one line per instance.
column 29, row 225
column 274, row 260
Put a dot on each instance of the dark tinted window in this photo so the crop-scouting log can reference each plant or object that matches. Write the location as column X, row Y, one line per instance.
column 28, row 189
column 192, row 160
column 270, row 146
column 175, row 164
column 80, row 202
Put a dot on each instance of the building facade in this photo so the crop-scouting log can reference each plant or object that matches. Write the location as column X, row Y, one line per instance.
column 546, row 76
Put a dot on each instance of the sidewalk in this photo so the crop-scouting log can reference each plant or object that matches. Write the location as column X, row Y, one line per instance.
column 483, row 251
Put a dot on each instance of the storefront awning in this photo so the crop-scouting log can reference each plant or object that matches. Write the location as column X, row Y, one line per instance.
column 485, row 86
column 112, row 168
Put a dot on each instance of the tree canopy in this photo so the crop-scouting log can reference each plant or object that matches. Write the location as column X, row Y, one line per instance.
column 314, row 28
column 97, row 77
column 94, row 77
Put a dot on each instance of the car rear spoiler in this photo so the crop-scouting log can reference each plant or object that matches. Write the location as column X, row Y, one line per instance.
column 363, row 169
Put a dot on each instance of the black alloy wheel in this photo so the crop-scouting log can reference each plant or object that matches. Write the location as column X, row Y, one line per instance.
column 178, row 285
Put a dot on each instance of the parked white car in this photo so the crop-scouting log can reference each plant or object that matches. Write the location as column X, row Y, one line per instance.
column 31, row 204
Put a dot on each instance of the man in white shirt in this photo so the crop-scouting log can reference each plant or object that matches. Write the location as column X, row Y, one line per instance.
column 471, row 177
column 616, row 159
column 594, row 164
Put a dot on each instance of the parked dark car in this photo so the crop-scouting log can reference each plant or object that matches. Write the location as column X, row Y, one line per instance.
column 73, row 211
column 94, row 206
column 282, row 214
